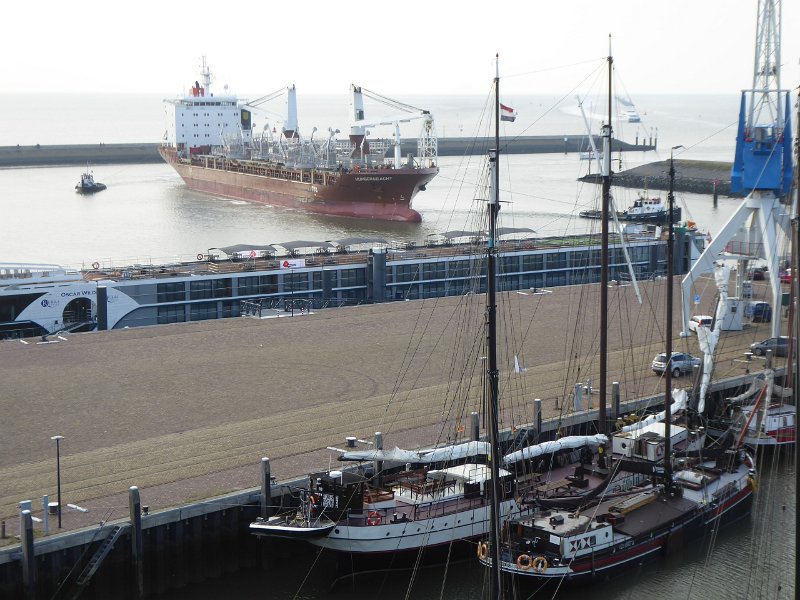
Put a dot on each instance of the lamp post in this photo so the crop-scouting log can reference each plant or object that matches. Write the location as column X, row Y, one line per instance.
column 58, row 439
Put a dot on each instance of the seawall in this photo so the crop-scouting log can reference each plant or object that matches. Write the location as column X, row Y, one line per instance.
column 693, row 176
column 101, row 154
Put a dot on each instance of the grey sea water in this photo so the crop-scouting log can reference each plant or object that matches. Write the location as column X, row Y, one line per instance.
column 147, row 214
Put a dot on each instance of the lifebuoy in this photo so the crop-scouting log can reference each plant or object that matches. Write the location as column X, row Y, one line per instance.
column 483, row 551
column 199, row 257
column 524, row 561
column 95, row 265
column 374, row 518
column 539, row 564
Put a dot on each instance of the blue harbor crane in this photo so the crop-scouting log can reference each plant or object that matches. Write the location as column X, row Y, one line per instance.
column 762, row 171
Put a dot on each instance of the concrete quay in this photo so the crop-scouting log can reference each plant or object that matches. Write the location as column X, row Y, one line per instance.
column 186, row 411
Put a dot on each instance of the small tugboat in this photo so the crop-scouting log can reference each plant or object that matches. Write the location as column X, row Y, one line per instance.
column 643, row 210
column 87, row 184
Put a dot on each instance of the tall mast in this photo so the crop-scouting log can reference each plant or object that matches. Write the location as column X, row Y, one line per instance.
column 795, row 330
column 668, row 341
column 492, row 375
column 604, row 255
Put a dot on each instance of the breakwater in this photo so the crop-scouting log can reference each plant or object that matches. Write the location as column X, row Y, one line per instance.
column 693, row 176
column 41, row 155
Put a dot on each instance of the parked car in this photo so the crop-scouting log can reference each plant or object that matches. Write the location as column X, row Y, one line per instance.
column 786, row 276
column 680, row 363
column 757, row 274
column 778, row 345
column 700, row 321
column 759, row 312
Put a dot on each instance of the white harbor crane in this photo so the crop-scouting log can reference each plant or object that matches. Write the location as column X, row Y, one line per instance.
column 762, row 170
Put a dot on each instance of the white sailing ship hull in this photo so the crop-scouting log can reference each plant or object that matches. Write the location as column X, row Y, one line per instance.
column 413, row 535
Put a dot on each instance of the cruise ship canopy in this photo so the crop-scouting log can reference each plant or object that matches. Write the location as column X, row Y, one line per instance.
column 297, row 244
column 352, row 241
column 238, row 248
column 450, row 235
column 510, row 230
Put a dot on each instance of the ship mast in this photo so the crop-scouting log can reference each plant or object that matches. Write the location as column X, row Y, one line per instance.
column 606, row 172
column 492, row 375
column 205, row 73
column 795, row 329
column 668, row 340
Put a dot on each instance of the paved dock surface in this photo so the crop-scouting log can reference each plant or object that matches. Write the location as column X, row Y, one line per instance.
column 186, row 411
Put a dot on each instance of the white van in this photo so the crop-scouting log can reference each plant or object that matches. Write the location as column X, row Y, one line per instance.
column 700, row 321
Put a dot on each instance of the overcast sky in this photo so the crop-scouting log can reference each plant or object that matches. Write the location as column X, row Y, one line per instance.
column 434, row 47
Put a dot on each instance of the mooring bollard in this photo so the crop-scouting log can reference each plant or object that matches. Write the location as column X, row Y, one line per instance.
column 28, row 559
column 266, row 493
column 135, row 505
column 716, row 191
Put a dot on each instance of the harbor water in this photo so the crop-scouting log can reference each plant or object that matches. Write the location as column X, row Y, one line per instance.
column 148, row 215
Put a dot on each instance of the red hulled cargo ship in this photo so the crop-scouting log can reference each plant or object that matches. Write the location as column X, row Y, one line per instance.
column 211, row 143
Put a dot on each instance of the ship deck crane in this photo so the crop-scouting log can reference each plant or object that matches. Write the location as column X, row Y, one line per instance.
column 290, row 126
column 427, row 145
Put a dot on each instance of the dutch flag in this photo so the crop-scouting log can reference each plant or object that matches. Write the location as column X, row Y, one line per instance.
column 507, row 113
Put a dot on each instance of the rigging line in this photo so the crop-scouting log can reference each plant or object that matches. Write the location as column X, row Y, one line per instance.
column 556, row 68
column 308, row 573
column 480, row 187
column 557, row 103
column 444, row 576
column 470, row 350
column 690, row 146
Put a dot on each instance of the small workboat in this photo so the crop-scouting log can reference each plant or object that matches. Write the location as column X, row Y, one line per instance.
column 643, row 210
column 87, row 184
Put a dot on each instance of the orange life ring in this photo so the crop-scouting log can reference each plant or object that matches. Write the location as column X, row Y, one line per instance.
column 539, row 564
column 374, row 518
column 483, row 550
column 524, row 561
column 95, row 265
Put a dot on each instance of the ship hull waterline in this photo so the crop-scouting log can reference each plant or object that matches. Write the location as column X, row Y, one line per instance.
column 608, row 564
column 382, row 194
